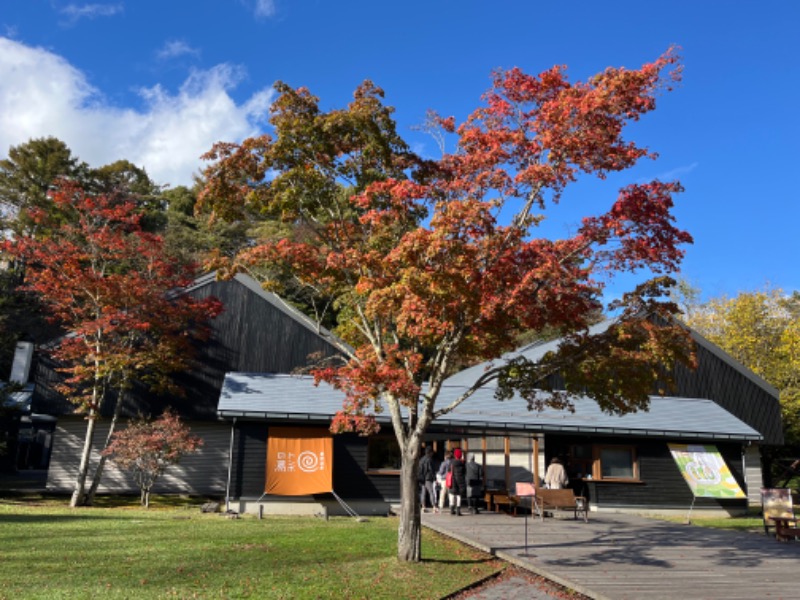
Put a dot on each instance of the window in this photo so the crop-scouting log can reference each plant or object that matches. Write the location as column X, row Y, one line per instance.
column 604, row 462
column 383, row 454
column 617, row 462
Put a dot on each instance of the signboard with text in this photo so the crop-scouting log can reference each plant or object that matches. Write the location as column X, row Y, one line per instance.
column 299, row 461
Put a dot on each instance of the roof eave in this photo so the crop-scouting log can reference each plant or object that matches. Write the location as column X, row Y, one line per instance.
column 508, row 426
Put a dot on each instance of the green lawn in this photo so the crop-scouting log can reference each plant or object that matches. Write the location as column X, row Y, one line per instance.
column 49, row 551
column 753, row 524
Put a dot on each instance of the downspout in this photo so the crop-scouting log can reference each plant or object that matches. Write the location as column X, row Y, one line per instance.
column 230, row 468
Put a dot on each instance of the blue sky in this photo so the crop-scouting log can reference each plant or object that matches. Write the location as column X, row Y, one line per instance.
column 158, row 82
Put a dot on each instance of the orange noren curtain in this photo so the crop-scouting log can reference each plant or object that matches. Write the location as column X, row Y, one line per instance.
column 299, row 461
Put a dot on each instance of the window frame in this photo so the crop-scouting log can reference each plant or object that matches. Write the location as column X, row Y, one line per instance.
column 597, row 470
column 591, row 464
column 382, row 439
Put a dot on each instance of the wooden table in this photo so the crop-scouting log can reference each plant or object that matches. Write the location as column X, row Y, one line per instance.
column 785, row 528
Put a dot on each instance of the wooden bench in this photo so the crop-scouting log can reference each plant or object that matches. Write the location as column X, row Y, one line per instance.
column 497, row 499
column 561, row 500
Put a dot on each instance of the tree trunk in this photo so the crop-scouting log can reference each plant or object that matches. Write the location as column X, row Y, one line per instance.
column 409, row 533
column 79, row 494
column 98, row 472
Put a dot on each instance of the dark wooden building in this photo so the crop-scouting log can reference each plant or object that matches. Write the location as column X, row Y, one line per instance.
column 241, row 387
column 257, row 331
column 619, row 462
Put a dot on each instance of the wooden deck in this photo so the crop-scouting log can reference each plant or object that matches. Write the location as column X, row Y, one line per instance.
column 617, row 556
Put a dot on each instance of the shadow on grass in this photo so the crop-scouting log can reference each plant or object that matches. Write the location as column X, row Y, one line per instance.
column 456, row 561
column 157, row 502
column 33, row 518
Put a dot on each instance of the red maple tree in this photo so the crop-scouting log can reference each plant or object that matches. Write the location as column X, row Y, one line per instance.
column 435, row 264
column 147, row 448
column 110, row 285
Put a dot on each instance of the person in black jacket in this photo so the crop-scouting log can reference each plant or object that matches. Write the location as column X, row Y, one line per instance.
column 474, row 484
column 427, row 478
column 458, row 486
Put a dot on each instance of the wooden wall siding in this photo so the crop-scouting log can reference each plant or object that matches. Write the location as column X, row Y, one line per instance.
column 248, row 474
column 255, row 336
column 202, row 473
column 753, row 475
column 350, row 476
column 251, row 335
column 350, row 479
column 662, row 484
column 721, row 382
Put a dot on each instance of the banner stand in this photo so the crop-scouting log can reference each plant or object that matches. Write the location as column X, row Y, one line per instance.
column 526, row 490
column 688, row 520
column 348, row 509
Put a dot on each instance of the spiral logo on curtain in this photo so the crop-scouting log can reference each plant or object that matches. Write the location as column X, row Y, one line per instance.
column 309, row 462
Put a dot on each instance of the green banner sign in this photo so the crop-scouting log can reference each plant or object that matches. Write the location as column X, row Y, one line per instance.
column 705, row 471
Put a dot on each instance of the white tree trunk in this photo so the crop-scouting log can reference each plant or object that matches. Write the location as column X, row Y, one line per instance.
column 79, row 494
column 98, row 473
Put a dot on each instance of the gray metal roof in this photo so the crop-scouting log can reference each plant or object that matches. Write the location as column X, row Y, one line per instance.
column 287, row 397
column 537, row 350
column 533, row 352
column 19, row 400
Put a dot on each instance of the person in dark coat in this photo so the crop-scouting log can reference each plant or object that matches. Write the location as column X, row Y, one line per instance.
column 474, row 484
column 458, row 488
column 427, row 478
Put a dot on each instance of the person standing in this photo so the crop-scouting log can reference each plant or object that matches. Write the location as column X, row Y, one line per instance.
column 427, row 477
column 458, row 485
column 556, row 476
column 441, row 476
column 474, row 484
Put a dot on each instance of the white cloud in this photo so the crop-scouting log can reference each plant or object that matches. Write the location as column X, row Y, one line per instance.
column 43, row 95
column 75, row 12
column 677, row 172
column 265, row 8
column 176, row 48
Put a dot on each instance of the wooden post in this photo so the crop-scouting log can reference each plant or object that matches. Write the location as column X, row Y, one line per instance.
column 507, row 452
column 483, row 458
column 536, row 479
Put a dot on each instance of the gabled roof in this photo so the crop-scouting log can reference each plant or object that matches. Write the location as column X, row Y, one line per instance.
column 537, row 350
column 726, row 358
column 719, row 378
column 292, row 398
column 274, row 300
column 256, row 331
